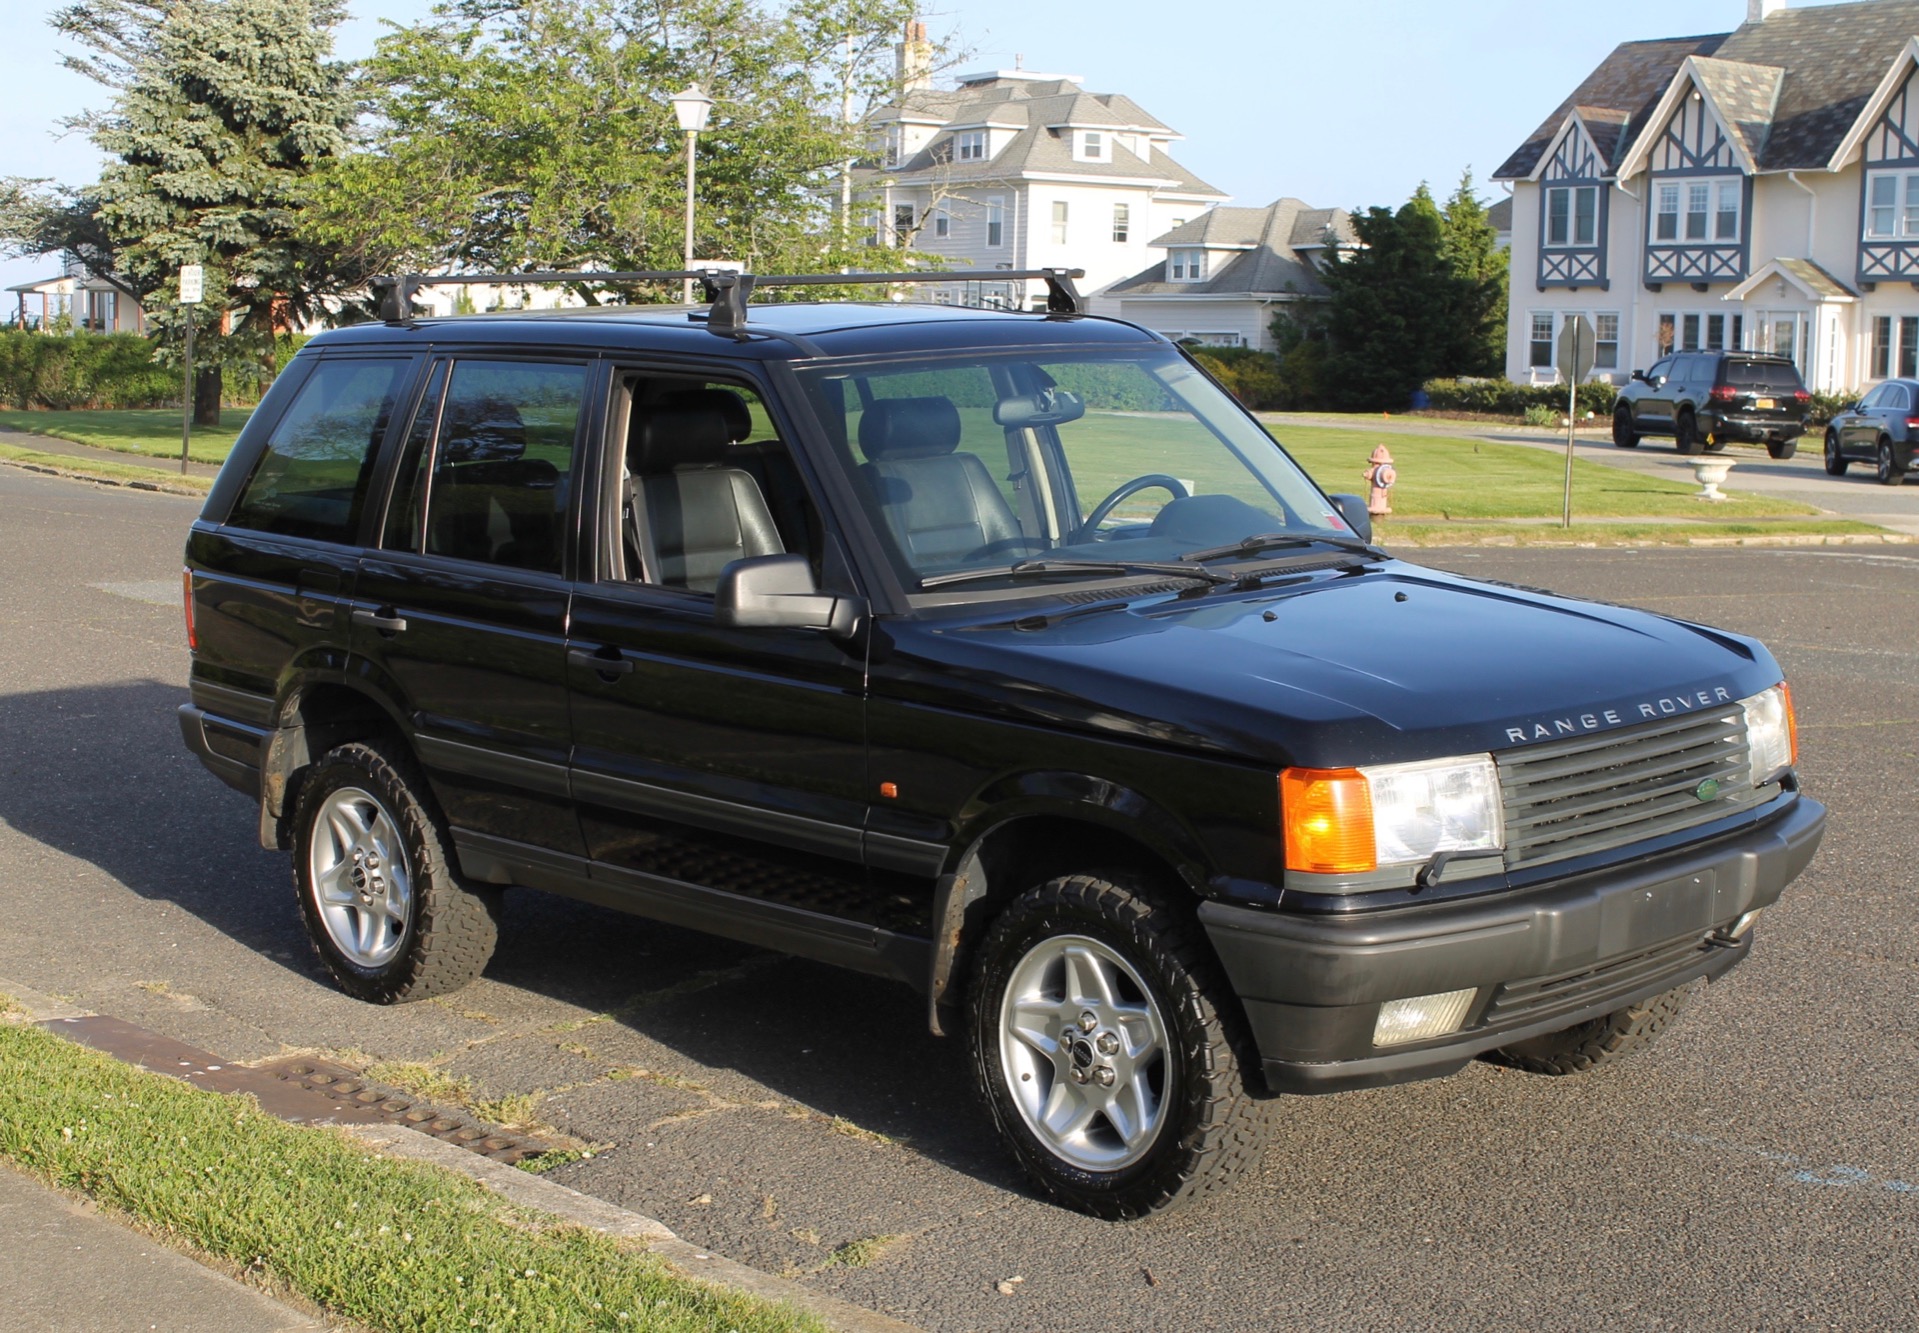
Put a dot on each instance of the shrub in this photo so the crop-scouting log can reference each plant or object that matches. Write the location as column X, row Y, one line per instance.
column 1826, row 406
column 1503, row 398
column 64, row 371
column 1541, row 415
column 1256, row 378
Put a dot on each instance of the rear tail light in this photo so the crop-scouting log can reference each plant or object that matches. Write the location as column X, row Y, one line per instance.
column 1912, row 423
column 1723, row 393
column 1802, row 396
column 186, row 596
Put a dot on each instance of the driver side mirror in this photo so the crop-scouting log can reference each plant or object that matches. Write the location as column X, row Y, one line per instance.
column 1642, row 377
column 1353, row 509
column 778, row 590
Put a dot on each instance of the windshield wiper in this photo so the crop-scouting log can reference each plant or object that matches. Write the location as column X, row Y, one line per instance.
column 1033, row 568
column 1266, row 541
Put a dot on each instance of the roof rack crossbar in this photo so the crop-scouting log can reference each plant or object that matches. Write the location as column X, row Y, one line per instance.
column 727, row 290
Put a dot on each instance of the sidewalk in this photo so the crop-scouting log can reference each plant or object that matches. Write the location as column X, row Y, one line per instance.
column 71, row 1268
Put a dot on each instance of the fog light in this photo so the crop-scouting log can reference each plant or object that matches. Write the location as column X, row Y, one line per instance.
column 1422, row 1017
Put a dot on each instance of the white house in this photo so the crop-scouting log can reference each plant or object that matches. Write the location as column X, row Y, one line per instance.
column 1757, row 189
column 1227, row 272
column 1015, row 169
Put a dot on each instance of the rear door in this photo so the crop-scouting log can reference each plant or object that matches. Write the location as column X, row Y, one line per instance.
column 460, row 615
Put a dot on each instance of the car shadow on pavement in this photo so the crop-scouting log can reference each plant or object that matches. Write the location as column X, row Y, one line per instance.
column 99, row 773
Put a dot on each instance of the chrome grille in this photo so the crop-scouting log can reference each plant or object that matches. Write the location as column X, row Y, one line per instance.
column 1590, row 794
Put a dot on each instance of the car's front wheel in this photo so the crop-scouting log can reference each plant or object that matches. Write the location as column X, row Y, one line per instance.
column 1103, row 1041
column 384, row 909
column 1835, row 460
column 1623, row 435
column 1685, row 434
column 1888, row 470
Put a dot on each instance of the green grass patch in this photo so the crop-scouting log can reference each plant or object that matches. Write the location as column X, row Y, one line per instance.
column 151, row 431
column 1393, row 533
column 393, row 1245
column 96, row 468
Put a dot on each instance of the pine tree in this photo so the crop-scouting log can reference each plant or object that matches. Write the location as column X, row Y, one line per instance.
column 224, row 110
column 1393, row 297
column 1470, row 247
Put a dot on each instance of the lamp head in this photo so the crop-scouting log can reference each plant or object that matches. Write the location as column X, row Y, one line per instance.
column 692, row 107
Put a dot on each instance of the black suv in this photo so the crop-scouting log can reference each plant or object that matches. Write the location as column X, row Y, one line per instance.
column 1000, row 654
column 1709, row 398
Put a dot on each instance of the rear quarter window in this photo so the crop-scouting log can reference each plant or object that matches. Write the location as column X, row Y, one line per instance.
column 313, row 474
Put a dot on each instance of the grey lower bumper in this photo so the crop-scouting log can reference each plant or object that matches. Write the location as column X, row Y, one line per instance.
column 230, row 750
column 1540, row 960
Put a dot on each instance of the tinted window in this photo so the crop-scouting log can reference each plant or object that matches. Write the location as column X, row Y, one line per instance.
column 503, row 464
column 1762, row 375
column 311, row 481
column 1659, row 371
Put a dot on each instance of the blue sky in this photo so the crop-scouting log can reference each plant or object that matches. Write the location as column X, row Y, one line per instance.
column 1339, row 102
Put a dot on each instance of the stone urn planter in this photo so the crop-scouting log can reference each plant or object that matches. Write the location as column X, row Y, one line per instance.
column 1709, row 470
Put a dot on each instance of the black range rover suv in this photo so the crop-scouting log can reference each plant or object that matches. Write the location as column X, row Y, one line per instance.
column 999, row 654
column 1706, row 399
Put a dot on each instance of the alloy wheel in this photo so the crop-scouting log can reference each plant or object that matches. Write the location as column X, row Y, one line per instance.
column 360, row 880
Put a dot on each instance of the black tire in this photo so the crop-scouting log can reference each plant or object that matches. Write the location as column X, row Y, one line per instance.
column 1205, row 1126
column 1782, row 448
column 1623, row 435
column 1888, row 472
column 1575, row 1050
column 447, row 930
column 1685, row 434
column 1835, row 461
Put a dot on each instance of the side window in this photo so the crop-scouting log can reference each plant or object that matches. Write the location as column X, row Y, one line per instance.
column 311, row 480
column 1660, row 370
column 503, row 463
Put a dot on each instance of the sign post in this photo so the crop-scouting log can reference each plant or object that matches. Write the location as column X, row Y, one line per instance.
column 1577, row 343
column 192, row 288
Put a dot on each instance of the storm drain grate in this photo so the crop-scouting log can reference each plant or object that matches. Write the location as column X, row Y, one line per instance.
column 399, row 1107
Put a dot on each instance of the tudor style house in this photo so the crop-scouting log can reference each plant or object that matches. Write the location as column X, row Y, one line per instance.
column 1754, row 190
column 1019, row 170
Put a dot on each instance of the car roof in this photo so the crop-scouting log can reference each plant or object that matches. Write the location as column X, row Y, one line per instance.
column 784, row 330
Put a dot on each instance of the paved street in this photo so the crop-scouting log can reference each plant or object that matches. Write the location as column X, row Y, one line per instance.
column 1758, row 1169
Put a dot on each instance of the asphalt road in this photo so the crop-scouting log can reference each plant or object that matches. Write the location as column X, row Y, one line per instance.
column 1757, row 1169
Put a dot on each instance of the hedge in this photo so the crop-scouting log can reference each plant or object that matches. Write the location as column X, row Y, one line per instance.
column 62, row 371
column 1503, row 398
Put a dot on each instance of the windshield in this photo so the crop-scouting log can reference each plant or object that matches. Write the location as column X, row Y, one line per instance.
column 1116, row 457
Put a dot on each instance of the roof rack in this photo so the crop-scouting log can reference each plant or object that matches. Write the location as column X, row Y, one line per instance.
column 726, row 290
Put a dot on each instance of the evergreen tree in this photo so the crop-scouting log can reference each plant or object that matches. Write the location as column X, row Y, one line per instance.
column 224, row 110
column 1470, row 247
column 1393, row 296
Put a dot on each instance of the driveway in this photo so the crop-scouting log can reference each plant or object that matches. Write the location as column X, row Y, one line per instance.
column 1759, row 1168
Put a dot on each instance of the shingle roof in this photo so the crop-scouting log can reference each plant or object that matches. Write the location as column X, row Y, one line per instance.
column 1044, row 150
column 1790, row 86
column 1272, row 267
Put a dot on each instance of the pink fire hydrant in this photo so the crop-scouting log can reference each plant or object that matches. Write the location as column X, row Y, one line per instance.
column 1380, row 477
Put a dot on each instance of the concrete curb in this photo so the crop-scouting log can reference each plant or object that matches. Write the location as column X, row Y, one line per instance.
column 126, row 483
column 555, row 1200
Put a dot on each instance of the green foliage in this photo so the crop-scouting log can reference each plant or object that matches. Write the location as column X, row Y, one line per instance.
column 1503, row 398
column 1541, row 415
column 1470, row 247
column 1826, row 406
column 1257, row 379
column 82, row 370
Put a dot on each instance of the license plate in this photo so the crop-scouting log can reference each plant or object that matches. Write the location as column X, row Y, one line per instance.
column 1762, row 403
column 1657, row 913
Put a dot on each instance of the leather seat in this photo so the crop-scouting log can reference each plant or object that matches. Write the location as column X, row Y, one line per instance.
column 490, row 501
column 941, row 505
column 701, row 513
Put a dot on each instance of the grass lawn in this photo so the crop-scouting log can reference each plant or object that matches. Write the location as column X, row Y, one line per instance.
column 114, row 471
column 152, row 431
column 390, row 1245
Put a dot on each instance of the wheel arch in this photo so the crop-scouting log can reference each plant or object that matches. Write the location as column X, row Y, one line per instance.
column 316, row 712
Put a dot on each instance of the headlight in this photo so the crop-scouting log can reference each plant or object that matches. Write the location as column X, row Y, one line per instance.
column 1772, row 737
column 1349, row 820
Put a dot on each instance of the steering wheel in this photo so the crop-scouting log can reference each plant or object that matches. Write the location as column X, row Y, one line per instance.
column 1086, row 531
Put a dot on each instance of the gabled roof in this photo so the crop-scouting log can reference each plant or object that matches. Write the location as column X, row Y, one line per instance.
column 1812, row 281
column 1048, row 152
column 1790, row 89
column 1268, row 261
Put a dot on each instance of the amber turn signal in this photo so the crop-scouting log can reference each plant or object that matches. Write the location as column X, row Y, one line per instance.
column 1792, row 723
column 1328, row 817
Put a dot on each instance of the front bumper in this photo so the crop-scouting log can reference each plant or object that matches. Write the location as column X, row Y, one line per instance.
column 1540, row 959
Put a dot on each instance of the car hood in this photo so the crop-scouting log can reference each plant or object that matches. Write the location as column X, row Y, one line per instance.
column 1377, row 665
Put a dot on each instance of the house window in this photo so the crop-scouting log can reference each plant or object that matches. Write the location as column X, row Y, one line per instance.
column 995, row 222
column 1666, row 221
column 1664, row 337
column 1188, row 265
column 1908, row 346
column 1572, row 215
column 1122, row 223
column 902, row 224
column 1882, row 347
column 1094, row 147
column 1892, row 205
column 971, row 145
column 1715, row 333
column 1541, row 354
column 1606, row 342
column 1698, row 195
column 1711, row 212
column 1725, row 225
column 1059, row 222
column 942, row 225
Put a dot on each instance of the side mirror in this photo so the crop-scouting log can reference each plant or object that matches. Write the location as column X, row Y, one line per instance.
column 1642, row 377
column 1353, row 509
column 778, row 590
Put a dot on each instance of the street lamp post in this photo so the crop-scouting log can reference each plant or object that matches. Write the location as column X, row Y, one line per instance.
column 692, row 107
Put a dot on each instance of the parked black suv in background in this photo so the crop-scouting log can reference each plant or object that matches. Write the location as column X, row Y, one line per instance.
column 999, row 654
column 1705, row 399
column 1881, row 429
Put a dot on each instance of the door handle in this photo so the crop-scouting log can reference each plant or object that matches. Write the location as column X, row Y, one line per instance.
column 382, row 620
column 608, row 661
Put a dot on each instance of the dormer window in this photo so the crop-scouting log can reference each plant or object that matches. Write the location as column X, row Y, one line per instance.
column 1093, row 146
column 1892, row 205
column 1572, row 215
column 970, row 145
column 1702, row 211
column 1186, row 265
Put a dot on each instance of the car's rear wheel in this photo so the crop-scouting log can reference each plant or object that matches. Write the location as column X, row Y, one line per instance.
column 1835, row 461
column 1599, row 1041
column 384, row 910
column 1102, row 1039
column 1685, row 434
column 1782, row 448
column 1623, row 435
column 1888, row 471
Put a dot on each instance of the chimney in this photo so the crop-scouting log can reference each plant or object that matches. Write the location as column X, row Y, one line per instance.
column 914, row 58
column 1758, row 11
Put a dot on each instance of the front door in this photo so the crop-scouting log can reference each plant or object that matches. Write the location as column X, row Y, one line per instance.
column 461, row 613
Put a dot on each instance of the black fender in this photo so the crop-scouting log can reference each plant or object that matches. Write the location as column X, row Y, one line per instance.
column 293, row 744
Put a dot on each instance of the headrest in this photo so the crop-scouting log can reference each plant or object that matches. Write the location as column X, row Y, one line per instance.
column 732, row 407
column 909, row 428
column 481, row 430
column 668, row 436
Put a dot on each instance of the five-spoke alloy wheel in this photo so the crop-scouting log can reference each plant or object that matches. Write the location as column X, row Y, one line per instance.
column 362, row 888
